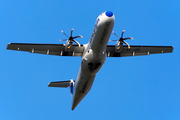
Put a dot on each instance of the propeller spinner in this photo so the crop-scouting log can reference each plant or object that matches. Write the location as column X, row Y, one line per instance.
column 121, row 39
column 71, row 38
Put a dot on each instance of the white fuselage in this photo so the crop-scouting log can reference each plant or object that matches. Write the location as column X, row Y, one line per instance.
column 93, row 57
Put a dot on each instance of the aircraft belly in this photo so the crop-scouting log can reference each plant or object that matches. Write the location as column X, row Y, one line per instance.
column 92, row 63
column 82, row 87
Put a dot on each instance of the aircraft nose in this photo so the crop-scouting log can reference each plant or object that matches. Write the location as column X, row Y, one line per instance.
column 109, row 14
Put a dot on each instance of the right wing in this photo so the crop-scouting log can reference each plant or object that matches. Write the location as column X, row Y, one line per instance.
column 137, row 50
column 49, row 49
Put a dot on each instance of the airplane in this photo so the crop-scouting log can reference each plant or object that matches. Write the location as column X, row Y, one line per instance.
column 93, row 54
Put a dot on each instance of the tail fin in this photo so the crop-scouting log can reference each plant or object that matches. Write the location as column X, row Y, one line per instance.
column 69, row 83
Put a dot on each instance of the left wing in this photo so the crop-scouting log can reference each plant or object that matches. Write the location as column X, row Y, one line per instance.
column 137, row 50
column 49, row 49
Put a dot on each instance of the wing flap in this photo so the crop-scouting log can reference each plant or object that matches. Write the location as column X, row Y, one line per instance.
column 49, row 49
column 138, row 50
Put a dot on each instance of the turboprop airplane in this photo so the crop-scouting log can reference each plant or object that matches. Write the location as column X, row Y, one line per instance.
column 93, row 54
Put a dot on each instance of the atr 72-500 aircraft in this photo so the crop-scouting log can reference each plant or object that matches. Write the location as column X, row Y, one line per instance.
column 93, row 54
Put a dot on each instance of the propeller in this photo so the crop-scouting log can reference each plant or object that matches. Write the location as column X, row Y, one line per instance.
column 121, row 39
column 71, row 38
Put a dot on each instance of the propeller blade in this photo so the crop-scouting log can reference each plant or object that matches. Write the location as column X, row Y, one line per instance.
column 113, row 40
column 64, row 33
column 71, row 31
column 76, row 43
column 128, row 38
column 79, row 36
column 127, row 44
column 62, row 39
column 115, row 34
column 122, row 33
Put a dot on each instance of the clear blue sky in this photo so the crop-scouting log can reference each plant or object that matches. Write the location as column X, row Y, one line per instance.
column 129, row 88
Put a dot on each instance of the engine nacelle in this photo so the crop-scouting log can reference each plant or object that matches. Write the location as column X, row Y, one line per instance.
column 119, row 43
column 118, row 46
column 68, row 45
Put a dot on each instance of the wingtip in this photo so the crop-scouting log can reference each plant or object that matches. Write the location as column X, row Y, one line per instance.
column 49, row 84
column 172, row 48
column 8, row 45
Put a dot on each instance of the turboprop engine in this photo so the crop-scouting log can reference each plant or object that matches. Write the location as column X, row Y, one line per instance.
column 120, row 41
column 70, row 40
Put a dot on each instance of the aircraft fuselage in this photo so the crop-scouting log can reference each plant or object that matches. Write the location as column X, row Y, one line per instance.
column 93, row 57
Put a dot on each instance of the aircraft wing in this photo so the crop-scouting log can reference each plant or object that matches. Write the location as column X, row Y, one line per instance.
column 137, row 50
column 49, row 49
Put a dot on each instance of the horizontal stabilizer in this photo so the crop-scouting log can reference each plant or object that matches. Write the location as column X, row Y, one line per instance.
column 60, row 84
